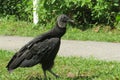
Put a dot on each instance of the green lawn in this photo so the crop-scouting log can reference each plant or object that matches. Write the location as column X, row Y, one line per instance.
column 68, row 68
column 21, row 28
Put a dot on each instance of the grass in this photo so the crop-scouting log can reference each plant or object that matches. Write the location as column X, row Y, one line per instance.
column 21, row 28
column 90, row 34
column 68, row 68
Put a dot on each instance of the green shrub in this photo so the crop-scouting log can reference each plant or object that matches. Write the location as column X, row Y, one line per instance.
column 83, row 11
column 21, row 9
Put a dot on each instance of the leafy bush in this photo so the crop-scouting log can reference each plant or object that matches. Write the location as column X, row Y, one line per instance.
column 83, row 11
column 22, row 9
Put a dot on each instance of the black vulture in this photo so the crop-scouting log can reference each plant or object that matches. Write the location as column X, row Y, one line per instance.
column 42, row 49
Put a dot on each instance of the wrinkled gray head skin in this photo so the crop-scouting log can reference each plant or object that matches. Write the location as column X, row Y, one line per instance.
column 62, row 20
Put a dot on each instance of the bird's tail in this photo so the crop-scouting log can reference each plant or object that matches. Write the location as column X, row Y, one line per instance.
column 9, row 70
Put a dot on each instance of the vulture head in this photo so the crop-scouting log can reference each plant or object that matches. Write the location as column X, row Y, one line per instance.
column 62, row 20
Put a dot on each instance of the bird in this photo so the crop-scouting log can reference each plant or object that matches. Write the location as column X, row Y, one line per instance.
column 42, row 49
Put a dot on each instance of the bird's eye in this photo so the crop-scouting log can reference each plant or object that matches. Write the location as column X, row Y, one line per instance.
column 64, row 17
column 64, row 20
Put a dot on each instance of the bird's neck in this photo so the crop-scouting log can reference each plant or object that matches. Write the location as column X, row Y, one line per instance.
column 58, row 31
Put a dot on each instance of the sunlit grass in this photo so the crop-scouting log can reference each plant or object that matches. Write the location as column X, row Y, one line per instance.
column 89, row 34
column 68, row 68
column 21, row 28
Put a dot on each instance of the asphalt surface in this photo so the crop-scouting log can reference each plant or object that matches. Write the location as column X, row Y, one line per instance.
column 100, row 50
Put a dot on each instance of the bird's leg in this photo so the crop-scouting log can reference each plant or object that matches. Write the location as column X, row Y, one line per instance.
column 53, row 73
column 45, row 76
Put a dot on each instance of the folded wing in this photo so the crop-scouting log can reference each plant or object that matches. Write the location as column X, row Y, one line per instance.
column 33, row 55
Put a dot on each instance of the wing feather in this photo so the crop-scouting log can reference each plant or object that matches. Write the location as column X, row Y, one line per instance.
column 33, row 55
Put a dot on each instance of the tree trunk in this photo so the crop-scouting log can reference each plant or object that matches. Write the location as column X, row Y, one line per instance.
column 35, row 13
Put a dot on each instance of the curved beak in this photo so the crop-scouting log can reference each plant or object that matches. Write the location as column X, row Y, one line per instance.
column 70, row 20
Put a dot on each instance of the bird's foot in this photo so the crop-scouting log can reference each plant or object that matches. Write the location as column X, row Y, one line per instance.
column 53, row 74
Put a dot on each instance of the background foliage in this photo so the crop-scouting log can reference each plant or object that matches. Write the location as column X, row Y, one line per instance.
column 83, row 11
column 19, row 9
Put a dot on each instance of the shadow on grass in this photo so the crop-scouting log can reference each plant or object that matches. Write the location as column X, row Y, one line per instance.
column 67, row 78
column 34, row 78
column 83, row 78
column 38, row 78
column 74, row 78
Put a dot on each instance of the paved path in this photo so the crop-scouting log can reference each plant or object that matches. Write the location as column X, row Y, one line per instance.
column 99, row 50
